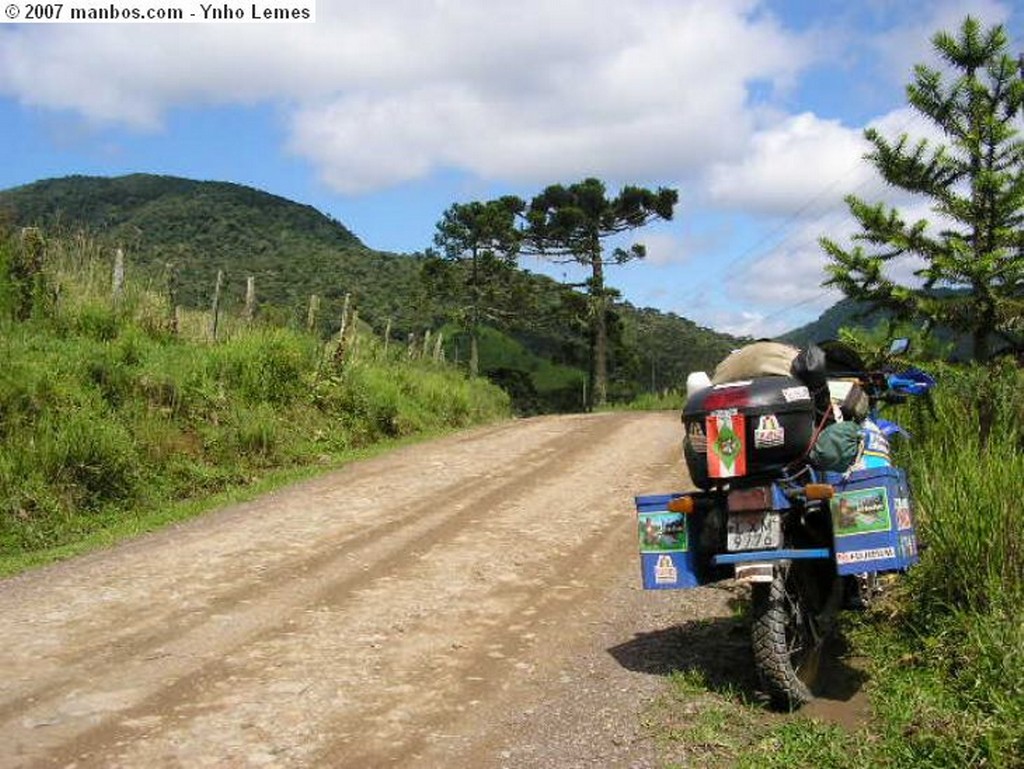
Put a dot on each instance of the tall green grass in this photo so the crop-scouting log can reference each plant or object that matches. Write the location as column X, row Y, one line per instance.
column 666, row 400
column 106, row 414
column 961, row 623
column 969, row 498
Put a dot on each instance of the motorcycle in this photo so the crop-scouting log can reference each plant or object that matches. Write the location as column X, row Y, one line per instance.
column 796, row 495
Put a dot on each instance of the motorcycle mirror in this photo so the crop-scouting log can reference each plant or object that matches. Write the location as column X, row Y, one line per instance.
column 899, row 346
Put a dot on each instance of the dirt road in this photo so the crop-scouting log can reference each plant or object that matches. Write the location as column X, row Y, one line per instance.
column 472, row 601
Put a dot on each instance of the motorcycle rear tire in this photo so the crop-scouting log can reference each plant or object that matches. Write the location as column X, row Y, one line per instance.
column 793, row 616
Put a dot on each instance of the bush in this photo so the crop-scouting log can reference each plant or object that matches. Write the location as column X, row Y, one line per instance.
column 89, row 456
column 256, row 433
column 267, row 365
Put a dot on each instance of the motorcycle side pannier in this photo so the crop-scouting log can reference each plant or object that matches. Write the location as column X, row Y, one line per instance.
column 753, row 427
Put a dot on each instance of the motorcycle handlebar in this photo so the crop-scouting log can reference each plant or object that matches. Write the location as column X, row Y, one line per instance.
column 911, row 382
column 894, row 388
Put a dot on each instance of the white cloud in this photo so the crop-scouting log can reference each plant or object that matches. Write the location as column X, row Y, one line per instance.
column 377, row 94
column 800, row 162
column 748, row 324
column 907, row 120
column 785, row 282
column 802, row 166
column 664, row 248
column 628, row 110
column 792, row 271
column 742, row 323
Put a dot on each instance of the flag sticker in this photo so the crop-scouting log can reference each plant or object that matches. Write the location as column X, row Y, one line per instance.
column 727, row 453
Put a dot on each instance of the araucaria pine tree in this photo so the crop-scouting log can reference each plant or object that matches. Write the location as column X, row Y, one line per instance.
column 570, row 224
column 971, row 278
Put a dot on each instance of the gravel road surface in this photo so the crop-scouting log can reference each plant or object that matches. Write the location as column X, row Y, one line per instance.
column 472, row 601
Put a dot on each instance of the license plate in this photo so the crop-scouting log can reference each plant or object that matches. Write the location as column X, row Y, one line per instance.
column 759, row 530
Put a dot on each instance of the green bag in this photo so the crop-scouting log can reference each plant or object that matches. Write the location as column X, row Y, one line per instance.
column 837, row 447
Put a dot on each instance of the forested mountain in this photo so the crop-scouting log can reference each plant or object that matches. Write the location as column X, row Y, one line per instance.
column 850, row 313
column 178, row 233
column 845, row 312
column 181, row 232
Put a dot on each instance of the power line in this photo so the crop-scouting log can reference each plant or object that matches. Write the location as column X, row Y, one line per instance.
column 790, row 221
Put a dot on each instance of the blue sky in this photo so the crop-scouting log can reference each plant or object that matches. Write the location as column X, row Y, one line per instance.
column 383, row 114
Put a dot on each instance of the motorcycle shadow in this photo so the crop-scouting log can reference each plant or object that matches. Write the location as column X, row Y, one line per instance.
column 720, row 650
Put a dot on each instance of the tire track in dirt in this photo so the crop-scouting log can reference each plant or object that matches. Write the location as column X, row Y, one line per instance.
column 428, row 523
column 137, row 633
column 120, row 647
column 324, row 584
column 129, row 638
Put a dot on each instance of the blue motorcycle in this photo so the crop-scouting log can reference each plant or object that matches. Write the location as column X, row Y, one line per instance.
column 796, row 495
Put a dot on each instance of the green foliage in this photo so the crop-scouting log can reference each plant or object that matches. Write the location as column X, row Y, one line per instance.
column 478, row 244
column 948, row 697
column 669, row 400
column 534, row 384
column 668, row 349
column 976, row 182
column 952, row 667
column 848, row 314
column 808, row 743
column 23, row 266
column 266, row 365
column 569, row 222
column 179, row 233
column 872, row 345
column 105, row 415
column 969, row 498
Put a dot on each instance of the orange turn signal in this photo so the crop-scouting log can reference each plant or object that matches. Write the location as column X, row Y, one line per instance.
column 681, row 505
column 819, row 491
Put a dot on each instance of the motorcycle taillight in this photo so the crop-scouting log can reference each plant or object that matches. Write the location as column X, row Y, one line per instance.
column 727, row 397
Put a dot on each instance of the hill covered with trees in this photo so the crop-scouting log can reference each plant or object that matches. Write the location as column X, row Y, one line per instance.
column 178, row 233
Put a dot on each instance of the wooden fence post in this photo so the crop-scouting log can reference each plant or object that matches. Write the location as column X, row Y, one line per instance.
column 339, row 351
column 173, row 312
column 250, row 299
column 387, row 338
column 311, row 313
column 344, row 318
column 216, row 305
column 27, row 270
column 437, row 347
column 353, row 332
column 117, row 282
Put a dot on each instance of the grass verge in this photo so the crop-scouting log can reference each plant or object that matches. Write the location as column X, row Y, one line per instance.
column 113, row 423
